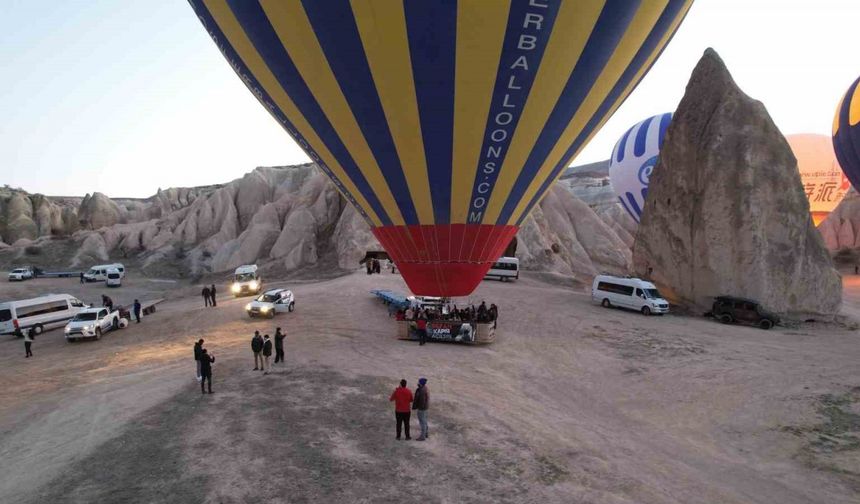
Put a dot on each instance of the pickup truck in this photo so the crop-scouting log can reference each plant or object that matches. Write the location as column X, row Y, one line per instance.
column 92, row 323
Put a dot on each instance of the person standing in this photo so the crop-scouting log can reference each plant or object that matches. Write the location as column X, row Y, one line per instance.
column 267, row 352
column 421, row 404
column 198, row 355
column 402, row 398
column 257, row 348
column 107, row 302
column 279, row 345
column 421, row 325
column 82, row 277
column 212, row 295
column 136, row 310
column 206, row 361
column 206, row 294
column 28, row 343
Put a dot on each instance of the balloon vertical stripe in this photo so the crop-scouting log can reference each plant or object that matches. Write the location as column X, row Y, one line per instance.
column 343, row 52
column 659, row 37
column 846, row 134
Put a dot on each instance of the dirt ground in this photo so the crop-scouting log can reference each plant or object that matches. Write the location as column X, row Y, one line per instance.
column 572, row 403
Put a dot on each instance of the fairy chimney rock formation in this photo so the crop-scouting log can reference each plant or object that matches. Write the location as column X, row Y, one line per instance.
column 726, row 213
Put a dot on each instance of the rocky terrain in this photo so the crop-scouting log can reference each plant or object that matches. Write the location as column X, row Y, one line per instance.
column 726, row 213
column 285, row 218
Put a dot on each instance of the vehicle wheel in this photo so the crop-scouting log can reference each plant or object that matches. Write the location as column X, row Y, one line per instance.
column 725, row 318
column 98, row 333
column 765, row 323
column 605, row 303
column 292, row 306
column 646, row 311
column 38, row 329
column 272, row 313
column 115, row 324
column 70, row 340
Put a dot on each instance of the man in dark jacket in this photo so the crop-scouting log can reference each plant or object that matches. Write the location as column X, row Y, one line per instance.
column 198, row 353
column 279, row 345
column 402, row 397
column 212, row 295
column 206, row 295
column 82, row 277
column 257, row 348
column 267, row 352
column 421, row 404
column 136, row 310
column 206, row 361
column 107, row 303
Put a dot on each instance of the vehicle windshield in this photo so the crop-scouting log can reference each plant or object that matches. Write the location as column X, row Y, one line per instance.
column 93, row 272
column 653, row 293
column 245, row 277
column 83, row 317
column 18, row 271
column 269, row 298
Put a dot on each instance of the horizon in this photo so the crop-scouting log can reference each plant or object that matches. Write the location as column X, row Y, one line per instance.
column 158, row 107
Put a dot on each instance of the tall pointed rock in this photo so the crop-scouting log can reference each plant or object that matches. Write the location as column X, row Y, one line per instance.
column 726, row 213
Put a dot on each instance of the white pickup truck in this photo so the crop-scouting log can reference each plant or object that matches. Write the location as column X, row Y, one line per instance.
column 92, row 323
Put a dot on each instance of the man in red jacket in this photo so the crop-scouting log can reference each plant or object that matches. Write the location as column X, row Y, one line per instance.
column 402, row 398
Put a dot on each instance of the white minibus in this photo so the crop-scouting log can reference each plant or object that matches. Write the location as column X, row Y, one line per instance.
column 40, row 314
column 505, row 268
column 99, row 273
column 631, row 293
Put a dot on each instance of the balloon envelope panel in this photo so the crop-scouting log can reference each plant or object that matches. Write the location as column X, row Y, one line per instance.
column 823, row 181
column 444, row 122
column 633, row 160
column 846, row 133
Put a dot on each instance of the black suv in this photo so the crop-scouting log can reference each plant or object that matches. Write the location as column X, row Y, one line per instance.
column 728, row 310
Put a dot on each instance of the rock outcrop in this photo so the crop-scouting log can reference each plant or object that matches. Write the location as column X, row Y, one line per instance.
column 288, row 217
column 726, row 213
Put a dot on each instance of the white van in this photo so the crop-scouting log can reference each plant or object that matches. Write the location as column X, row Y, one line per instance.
column 505, row 268
column 114, row 278
column 631, row 293
column 99, row 273
column 246, row 281
column 39, row 313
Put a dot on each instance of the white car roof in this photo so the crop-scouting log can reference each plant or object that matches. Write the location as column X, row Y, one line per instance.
column 248, row 268
column 274, row 291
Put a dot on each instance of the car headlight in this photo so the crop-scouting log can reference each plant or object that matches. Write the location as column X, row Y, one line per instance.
column 253, row 284
column 264, row 309
column 67, row 330
column 248, row 307
column 235, row 287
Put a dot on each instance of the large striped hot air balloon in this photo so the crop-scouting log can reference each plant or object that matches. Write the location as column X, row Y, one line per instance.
column 846, row 133
column 444, row 122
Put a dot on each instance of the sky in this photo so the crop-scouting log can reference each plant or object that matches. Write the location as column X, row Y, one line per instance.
column 125, row 97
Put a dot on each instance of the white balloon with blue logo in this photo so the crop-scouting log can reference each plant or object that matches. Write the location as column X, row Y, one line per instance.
column 633, row 160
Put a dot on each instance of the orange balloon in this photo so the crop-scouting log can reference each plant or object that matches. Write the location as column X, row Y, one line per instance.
column 823, row 181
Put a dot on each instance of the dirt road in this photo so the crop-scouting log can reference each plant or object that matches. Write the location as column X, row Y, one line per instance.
column 573, row 403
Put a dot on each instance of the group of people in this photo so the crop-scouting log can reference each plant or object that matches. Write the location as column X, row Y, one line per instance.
column 209, row 296
column 482, row 313
column 136, row 307
column 262, row 348
column 373, row 266
column 405, row 401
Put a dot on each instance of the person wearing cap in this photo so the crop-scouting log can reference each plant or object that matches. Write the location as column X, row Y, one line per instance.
column 402, row 397
column 421, row 404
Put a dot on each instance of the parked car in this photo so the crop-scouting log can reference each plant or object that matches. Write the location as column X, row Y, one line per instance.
column 270, row 303
column 21, row 274
column 92, row 323
column 631, row 293
column 729, row 310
